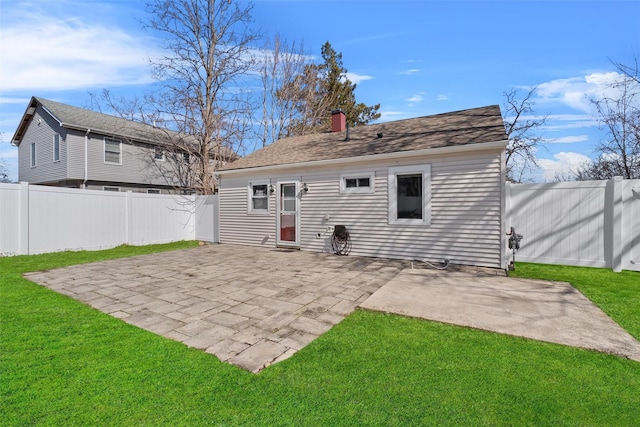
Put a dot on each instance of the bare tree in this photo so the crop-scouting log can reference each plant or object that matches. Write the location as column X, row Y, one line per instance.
column 4, row 172
column 632, row 71
column 619, row 115
column 279, row 65
column 208, row 55
column 521, row 125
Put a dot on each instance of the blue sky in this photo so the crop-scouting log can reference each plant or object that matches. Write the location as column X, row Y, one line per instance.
column 415, row 58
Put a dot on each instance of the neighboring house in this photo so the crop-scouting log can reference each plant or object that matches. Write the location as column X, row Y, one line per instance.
column 66, row 146
column 427, row 188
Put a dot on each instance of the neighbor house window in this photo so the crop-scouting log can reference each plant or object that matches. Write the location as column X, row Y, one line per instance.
column 112, row 151
column 258, row 197
column 158, row 154
column 185, row 157
column 109, row 188
column 153, row 191
column 56, row 147
column 410, row 195
column 33, row 154
column 358, row 183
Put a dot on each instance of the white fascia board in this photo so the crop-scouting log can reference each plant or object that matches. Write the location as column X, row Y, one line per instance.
column 373, row 157
column 52, row 115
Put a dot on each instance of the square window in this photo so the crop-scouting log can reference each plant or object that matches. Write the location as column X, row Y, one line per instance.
column 158, row 154
column 410, row 195
column 259, row 197
column 112, row 151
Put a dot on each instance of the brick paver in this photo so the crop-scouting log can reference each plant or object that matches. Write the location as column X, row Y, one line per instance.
column 249, row 306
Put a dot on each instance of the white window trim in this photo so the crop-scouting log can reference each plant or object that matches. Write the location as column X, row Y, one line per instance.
column 250, row 209
column 54, row 147
column 112, row 187
column 425, row 170
column 157, row 150
column 33, row 157
column 370, row 189
column 104, row 151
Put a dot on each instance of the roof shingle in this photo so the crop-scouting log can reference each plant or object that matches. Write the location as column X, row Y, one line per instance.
column 472, row 126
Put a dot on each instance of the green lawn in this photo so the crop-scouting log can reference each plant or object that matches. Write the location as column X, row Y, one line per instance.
column 64, row 363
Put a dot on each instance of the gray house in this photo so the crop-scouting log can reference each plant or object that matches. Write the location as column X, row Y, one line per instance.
column 428, row 188
column 66, row 146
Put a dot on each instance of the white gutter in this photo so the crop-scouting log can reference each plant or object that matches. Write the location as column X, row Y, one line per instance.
column 372, row 157
column 86, row 157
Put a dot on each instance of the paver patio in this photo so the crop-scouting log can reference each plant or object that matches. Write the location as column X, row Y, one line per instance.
column 253, row 307
column 249, row 306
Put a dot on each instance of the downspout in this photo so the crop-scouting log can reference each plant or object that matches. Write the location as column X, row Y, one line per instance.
column 86, row 162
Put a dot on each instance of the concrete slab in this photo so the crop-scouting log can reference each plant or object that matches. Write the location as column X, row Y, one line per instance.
column 547, row 311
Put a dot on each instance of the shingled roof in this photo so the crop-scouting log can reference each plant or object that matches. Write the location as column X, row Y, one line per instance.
column 83, row 119
column 473, row 126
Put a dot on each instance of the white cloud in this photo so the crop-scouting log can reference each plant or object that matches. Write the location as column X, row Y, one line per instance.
column 10, row 153
column 41, row 53
column 389, row 115
column 565, row 164
column 418, row 97
column 442, row 97
column 576, row 92
column 357, row 78
column 411, row 71
column 568, row 139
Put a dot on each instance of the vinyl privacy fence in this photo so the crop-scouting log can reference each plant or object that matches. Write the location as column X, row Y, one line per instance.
column 39, row 219
column 590, row 223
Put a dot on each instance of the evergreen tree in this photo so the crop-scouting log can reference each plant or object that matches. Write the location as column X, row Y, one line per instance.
column 320, row 89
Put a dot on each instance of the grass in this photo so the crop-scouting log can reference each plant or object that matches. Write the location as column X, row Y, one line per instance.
column 64, row 363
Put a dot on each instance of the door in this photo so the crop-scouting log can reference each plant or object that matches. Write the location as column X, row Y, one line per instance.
column 288, row 215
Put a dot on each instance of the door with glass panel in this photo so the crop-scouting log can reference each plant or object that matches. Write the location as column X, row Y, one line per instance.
column 288, row 215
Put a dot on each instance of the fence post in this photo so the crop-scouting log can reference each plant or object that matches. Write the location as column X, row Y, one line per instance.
column 23, row 218
column 616, row 229
column 507, row 224
column 129, row 216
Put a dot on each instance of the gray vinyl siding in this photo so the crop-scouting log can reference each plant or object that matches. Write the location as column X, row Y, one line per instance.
column 240, row 226
column 41, row 131
column 137, row 164
column 466, row 214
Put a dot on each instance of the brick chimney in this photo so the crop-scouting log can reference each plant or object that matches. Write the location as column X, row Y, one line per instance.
column 338, row 121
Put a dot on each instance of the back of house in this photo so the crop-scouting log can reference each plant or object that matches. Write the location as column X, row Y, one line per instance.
column 428, row 188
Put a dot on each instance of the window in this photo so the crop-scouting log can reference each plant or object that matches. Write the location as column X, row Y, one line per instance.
column 153, row 191
column 259, row 197
column 112, row 151
column 410, row 195
column 33, row 154
column 158, row 154
column 56, row 147
column 185, row 157
column 109, row 188
column 359, row 183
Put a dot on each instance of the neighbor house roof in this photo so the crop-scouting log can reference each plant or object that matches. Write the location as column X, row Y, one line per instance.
column 82, row 119
column 459, row 128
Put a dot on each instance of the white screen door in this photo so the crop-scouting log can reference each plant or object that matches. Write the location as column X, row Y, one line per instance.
column 288, row 214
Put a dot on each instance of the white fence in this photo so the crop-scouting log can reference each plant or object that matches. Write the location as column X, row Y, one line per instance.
column 38, row 219
column 591, row 223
